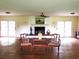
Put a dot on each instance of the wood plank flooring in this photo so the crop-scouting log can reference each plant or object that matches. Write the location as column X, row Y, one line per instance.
column 69, row 49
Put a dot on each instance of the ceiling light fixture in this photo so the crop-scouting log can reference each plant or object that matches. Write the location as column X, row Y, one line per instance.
column 8, row 12
column 72, row 13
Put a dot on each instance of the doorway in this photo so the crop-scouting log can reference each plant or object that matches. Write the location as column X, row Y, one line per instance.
column 64, row 28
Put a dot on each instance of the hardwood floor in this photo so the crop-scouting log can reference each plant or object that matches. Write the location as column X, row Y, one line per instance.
column 69, row 49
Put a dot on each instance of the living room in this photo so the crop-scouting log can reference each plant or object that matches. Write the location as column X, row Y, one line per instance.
column 22, row 24
column 29, row 18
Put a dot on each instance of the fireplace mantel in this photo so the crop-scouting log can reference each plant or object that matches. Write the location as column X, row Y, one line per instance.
column 39, row 25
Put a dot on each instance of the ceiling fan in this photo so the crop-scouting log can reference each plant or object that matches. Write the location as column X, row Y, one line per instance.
column 42, row 15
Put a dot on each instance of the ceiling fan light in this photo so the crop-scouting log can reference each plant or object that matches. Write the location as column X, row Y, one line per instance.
column 42, row 15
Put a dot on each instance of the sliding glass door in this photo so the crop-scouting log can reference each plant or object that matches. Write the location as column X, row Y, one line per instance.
column 7, row 33
column 7, row 28
column 64, row 28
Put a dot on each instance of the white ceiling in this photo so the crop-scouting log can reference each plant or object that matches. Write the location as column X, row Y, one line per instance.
column 35, row 7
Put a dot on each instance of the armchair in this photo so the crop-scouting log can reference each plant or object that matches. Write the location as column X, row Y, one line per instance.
column 24, row 43
column 55, row 41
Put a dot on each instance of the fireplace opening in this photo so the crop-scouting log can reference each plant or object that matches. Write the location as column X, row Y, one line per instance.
column 39, row 29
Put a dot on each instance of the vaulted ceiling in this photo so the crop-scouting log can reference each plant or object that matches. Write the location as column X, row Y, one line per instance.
column 35, row 7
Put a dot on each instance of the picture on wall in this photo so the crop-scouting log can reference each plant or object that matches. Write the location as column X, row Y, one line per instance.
column 39, row 20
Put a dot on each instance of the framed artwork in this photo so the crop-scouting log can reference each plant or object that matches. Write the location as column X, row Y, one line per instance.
column 39, row 20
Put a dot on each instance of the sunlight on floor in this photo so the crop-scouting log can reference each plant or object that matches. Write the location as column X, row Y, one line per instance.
column 66, row 40
column 5, row 41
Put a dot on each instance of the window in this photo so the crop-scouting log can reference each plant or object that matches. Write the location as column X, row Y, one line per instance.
column 7, row 28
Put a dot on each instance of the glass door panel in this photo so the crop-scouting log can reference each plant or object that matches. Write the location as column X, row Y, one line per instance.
column 68, row 29
column 60, row 28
